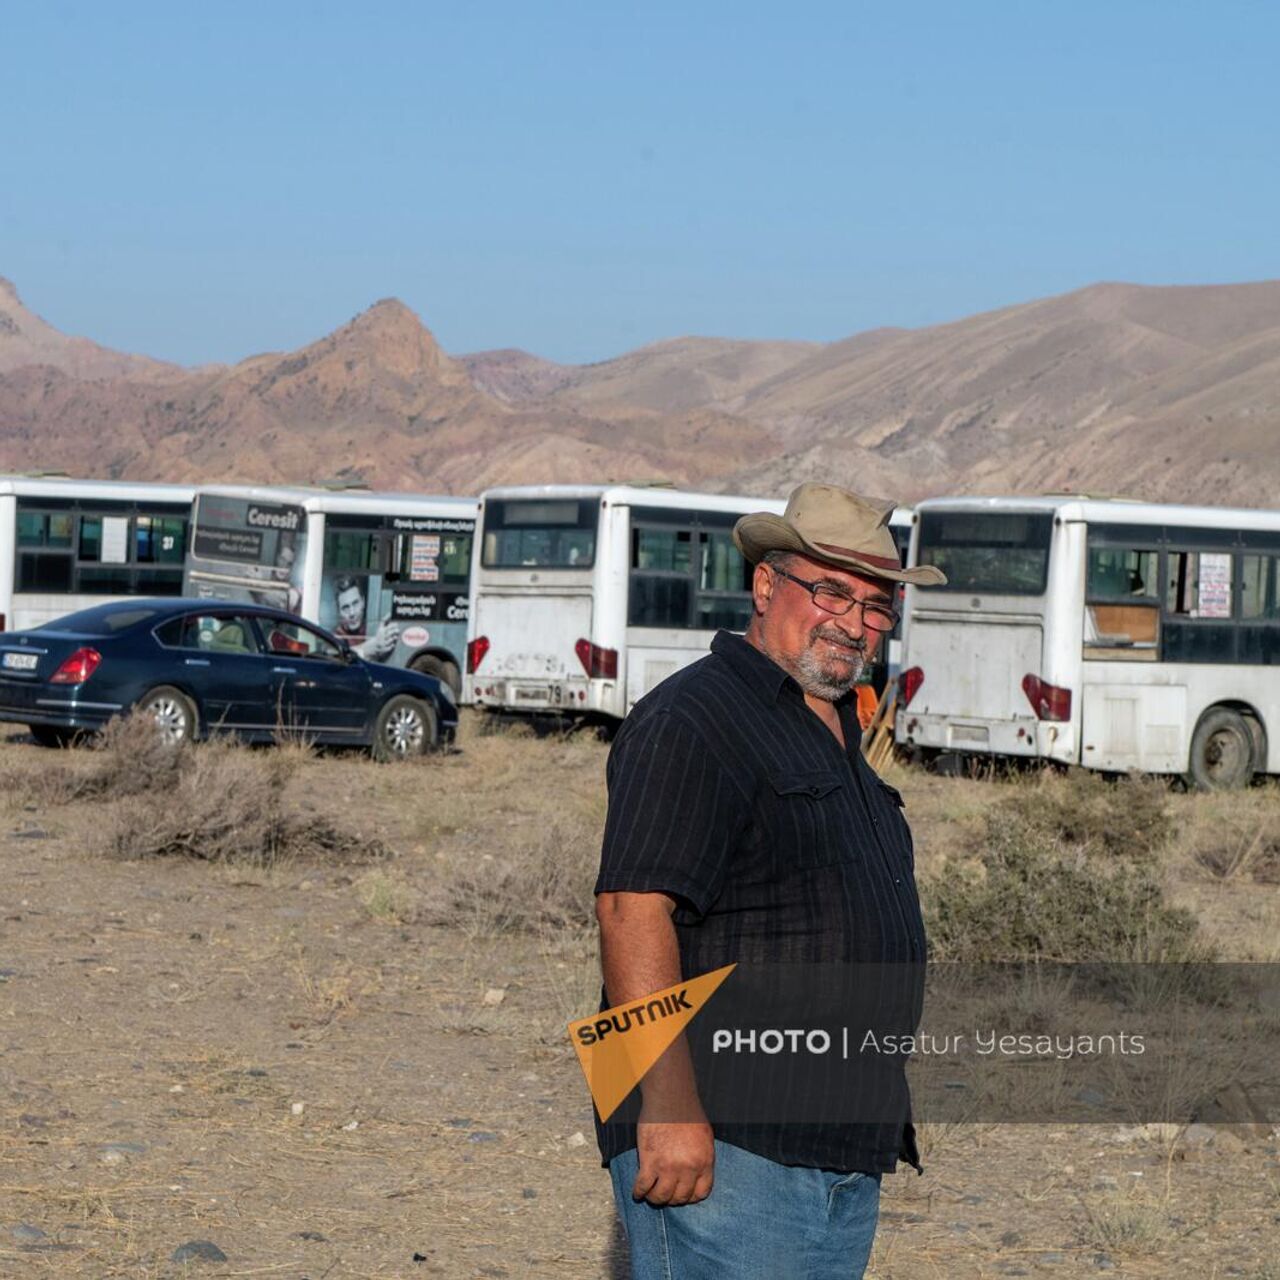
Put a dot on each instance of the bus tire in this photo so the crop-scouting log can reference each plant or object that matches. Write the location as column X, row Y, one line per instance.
column 445, row 671
column 406, row 727
column 1222, row 751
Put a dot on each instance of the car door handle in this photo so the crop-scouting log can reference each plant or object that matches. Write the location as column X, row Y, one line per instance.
column 284, row 671
column 197, row 662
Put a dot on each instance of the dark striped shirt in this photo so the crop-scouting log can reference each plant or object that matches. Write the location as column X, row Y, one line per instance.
column 729, row 794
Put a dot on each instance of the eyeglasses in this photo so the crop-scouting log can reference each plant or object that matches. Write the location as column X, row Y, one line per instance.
column 875, row 616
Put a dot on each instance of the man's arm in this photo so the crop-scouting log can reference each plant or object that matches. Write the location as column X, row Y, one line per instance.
column 674, row 1142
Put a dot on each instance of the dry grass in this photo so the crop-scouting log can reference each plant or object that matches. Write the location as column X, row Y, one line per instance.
column 1067, row 870
column 1238, row 840
column 228, row 803
column 361, row 992
column 218, row 801
column 387, row 898
column 542, row 884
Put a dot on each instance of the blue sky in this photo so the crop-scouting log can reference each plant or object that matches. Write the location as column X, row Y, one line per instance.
column 578, row 179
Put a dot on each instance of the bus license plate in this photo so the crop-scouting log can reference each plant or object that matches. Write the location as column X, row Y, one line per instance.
column 533, row 693
column 21, row 661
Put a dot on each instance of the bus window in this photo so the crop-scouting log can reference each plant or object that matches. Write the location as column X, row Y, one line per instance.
column 90, row 538
column 44, row 529
column 1118, row 573
column 455, row 559
column 547, row 533
column 660, row 588
column 1122, row 616
column 724, row 588
column 443, row 560
column 661, row 550
column 350, row 551
column 160, row 540
column 1258, row 600
column 89, row 552
column 1198, row 584
column 44, row 572
column 998, row 553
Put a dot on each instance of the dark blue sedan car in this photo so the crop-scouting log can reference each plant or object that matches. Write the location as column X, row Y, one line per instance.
column 197, row 667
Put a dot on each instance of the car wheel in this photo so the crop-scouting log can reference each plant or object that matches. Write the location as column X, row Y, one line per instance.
column 1222, row 751
column 445, row 671
column 406, row 727
column 49, row 736
column 173, row 713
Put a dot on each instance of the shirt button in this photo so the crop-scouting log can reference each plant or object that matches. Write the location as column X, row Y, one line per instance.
column 897, row 879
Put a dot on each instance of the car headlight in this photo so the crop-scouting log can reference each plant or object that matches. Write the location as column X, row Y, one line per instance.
column 446, row 692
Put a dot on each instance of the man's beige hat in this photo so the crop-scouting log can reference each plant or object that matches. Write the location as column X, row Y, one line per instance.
column 836, row 526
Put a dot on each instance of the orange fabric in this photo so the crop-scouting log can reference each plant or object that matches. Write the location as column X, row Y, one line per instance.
column 867, row 703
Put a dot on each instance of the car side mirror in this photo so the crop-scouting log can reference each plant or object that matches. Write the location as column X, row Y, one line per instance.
column 348, row 653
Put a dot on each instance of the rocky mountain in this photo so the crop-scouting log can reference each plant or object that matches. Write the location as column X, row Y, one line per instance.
column 26, row 340
column 376, row 402
column 1168, row 393
column 665, row 377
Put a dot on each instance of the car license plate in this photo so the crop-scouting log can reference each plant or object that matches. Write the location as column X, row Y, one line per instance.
column 21, row 661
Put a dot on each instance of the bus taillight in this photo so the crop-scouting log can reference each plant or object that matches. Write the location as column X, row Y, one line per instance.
column 1047, row 700
column 476, row 649
column 909, row 682
column 598, row 663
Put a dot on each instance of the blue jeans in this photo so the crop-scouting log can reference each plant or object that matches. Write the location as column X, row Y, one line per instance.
column 762, row 1221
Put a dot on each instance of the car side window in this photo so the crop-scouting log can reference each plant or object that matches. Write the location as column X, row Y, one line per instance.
column 210, row 633
column 293, row 640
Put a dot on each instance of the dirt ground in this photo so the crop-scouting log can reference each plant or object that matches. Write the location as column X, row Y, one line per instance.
column 357, row 1066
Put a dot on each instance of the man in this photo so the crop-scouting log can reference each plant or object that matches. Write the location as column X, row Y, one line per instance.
column 744, row 825
column 348, row 594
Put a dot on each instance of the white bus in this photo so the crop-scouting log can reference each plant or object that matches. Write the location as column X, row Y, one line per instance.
column 587, row 596
column 1117, row 635
column 69, row 544
column 389, row 572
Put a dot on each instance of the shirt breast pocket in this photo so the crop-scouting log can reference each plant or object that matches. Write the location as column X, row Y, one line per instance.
column 905, row 846
column 810, row 818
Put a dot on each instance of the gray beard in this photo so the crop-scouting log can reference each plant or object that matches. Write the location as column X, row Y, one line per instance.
column 811, row 677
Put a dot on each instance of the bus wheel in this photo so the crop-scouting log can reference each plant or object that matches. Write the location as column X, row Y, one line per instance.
column 443, row 670
column 1222, row 751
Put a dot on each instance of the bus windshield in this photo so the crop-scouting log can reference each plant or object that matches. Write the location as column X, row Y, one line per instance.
column 995, row 553
column 547, row 533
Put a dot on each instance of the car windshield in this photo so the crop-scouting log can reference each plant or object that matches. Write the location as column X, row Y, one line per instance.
column 101, row 620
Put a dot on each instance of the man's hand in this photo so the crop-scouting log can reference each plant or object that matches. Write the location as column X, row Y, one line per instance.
column 387, row 636
column 677, row 1161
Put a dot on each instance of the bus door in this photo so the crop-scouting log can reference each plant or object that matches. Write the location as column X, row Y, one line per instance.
column 1134, row 715
column 686, row 580
column 395, row 588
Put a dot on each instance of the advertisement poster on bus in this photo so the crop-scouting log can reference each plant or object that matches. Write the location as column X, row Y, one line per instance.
column 244, row 549
column 387, row 621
